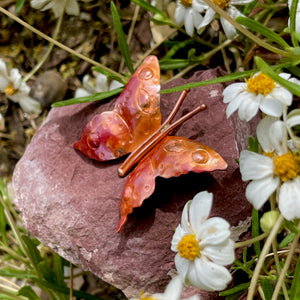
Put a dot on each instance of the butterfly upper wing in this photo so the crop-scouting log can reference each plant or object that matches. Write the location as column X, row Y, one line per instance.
column 136, row 115
column 172, row 157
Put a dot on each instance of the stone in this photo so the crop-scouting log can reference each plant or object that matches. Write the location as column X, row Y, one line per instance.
column 71, row 203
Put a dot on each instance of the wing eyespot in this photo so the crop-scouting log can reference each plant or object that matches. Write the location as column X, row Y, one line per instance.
column 200, row 156
column 93, row 140
column 145, row 74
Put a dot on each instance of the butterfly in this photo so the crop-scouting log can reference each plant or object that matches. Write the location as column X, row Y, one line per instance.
column 134, row 126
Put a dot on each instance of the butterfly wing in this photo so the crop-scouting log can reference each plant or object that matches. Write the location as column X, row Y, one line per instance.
column 136, row 116
column 172, row 157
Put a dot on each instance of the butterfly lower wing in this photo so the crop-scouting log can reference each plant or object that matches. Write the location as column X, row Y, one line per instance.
column 136, row 116
column 172, row 157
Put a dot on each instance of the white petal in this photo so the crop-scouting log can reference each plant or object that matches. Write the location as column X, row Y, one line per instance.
column 188, row 23
column 16, row 77
column 200, row 210
column 180, row 14
column 30, row 105
column 58, row 8
column 234, row 105
column 222, row 254
column 240, row 2
column 182, row 266
column 282, row 94
column 272, row 107
column 208, row 17
column 185, row 224
column 229, row 29
column 115, row 84
column 255, row 166
column 173, row 289
column 209, row 276
column 258, row 191
column 289, row 199
column 101, row 83
column 248, row 107
column 177, row 236
column 38, row 4
column 232, row 91
column 4, row 78
column 278, row 137
column 80, row 92
column 72, row 7
column 262, row 132
column 197, row 19
column 213, row 231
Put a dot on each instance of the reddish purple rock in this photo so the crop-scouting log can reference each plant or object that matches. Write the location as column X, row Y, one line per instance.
column 71, row 203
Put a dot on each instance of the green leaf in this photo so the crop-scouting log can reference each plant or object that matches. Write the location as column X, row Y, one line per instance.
column 263, row 30
column 266, row 69
column 255, row 230
column 121, row 36
column 109, row 75
column 293, row 15
column 288, row 239
column 3, row 222
column 94, row 97
column 28, row 292
column 267, row 288
column 221, row 79
column 295, row 288
column 58, row 270
column 19, row 5
column 45, row 271
column 236, row 289
column 66, row 290
column 253, row 144
column 292, row 226
column 33, row 252
column 148, row 6
column 21, row 274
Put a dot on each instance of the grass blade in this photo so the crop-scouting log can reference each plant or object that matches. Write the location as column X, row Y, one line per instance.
column 122, row 39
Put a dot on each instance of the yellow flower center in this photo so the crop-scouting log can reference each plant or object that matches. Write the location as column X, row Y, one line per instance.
column 188, row 247
column 186, row 3
column 260, row 84
column 221, row 3
column 287, row 166
column 269, row 154
column 9, row 90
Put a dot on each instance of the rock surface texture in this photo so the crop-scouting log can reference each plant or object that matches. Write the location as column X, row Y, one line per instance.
column 71, row 203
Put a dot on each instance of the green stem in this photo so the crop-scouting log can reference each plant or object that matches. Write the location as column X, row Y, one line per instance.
column 262, row 257
column 46, row 55
column 246, row 32
column 120, row 77
column 12, row 253
column 205, row 57
column 251, row 241
column 12, row 295
column 278, row 267
column 280, row 281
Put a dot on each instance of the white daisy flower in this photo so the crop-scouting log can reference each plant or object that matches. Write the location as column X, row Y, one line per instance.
column 297, row 15
column 58, row 6
column 17, row 90
column 172, row 292
column 232, row 11
column 258, row 92
column 188, row 12
column 98, row 85
column 278, row 169
column 203, row 246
